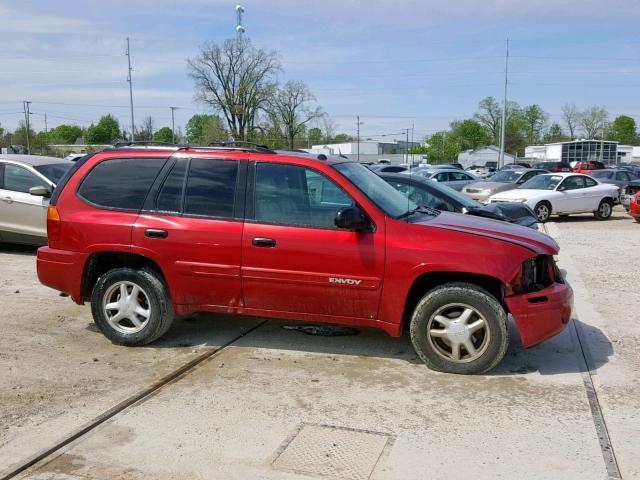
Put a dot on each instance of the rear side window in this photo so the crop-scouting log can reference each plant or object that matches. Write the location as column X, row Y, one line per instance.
column 211, row 187
column 120, row 183
column 169, row 197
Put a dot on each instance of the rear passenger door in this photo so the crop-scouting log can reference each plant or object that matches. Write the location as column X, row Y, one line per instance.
column 191, row 225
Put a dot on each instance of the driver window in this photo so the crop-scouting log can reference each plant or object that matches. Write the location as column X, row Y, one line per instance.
column 297, row 196
column 19, row 179
column 573, row 183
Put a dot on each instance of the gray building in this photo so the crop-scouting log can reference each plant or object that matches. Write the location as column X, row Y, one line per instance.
column 575, row 151
column 484, row 156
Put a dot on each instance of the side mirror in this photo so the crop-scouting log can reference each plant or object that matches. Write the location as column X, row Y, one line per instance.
column 352, row 218
column 562, row 188
column 40, row 191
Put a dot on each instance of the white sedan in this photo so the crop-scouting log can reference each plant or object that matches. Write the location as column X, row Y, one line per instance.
column 563, row 194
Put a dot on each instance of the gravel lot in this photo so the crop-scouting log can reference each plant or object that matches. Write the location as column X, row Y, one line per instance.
column 235, row 413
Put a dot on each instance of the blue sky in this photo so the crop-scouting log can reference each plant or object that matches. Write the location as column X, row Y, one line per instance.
column 394, row 63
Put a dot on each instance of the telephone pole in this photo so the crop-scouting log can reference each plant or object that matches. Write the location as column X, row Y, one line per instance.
column 173, row 125
column 503, row 126
column 46, row 131
column 133, row 127
column 358, row 135
column 25, row 105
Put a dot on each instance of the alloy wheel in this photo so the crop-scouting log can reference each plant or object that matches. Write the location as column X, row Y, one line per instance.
column 126, row 307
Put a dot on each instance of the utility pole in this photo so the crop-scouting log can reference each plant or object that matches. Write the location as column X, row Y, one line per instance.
column 406, row 147
column 133, row 126
column 173, row 125
column 25, row 105
column 358, row 135
column 46, row 131
column 239, row 27
column 503, row 125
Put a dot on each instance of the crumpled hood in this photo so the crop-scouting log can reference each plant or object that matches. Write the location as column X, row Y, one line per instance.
column 538, row 242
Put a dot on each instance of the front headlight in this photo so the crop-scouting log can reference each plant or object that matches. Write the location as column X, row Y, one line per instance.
column 519, row 200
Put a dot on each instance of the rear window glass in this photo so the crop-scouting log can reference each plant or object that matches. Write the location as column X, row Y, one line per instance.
column 121, row 183
column 211, row 187
column 169, row 197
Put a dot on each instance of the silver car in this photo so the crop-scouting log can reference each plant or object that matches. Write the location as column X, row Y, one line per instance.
column 500, row 182
column 451, row 176
column 26, row 182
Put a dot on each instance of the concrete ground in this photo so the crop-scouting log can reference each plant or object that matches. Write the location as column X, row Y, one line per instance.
column 281, row 404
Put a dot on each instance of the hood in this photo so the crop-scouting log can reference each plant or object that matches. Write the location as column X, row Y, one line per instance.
column 499, row 186
column 519, row 193
column 538, row 242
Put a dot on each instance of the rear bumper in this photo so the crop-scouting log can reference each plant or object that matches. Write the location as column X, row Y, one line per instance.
column 634, row 209
column 61, row 270
column 541, row 315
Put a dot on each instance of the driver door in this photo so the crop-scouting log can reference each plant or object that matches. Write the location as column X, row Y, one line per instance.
column 294, row 258
column 572, row 195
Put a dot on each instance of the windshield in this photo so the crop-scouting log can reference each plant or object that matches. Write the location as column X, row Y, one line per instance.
column 387, row 198
column 54, row 171
column 542, row 182
column 505, row 176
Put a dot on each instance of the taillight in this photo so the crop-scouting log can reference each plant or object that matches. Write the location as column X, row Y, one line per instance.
column 53, row 223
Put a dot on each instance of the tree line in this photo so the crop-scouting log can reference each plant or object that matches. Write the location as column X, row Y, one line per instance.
column 528, row 125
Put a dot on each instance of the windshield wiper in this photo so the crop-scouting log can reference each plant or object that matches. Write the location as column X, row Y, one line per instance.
column 419, row 209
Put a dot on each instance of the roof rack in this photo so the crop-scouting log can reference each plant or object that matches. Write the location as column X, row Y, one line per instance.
column 143, row 144
column 256, row 146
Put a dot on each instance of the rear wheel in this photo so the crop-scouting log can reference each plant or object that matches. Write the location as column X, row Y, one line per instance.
column 131, row 307
column 543, row 211
column 459, row 328
column 605, row 209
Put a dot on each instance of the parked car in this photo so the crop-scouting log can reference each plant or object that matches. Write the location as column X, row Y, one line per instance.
column 452, row 177
column 480, row 171
column 588, row 167
column 436, row 195
column 618, row 177
column 634, row 207
column 148, row 233
column 26, row 181
column 516, row 165
column 563, row 194
column 630, row 167
column 381, row 168
column 500, row 182
column 73, row 157
column 448, row 165
column 554, row 166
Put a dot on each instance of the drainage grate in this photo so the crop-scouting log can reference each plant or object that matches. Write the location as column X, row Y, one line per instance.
column 333, row 452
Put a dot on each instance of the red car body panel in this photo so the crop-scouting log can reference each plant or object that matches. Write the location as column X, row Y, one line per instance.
column 312, row 274
column 634, row 206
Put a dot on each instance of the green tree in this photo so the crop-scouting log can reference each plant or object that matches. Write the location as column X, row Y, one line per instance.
column 20, row 135
column 163, row 135
column 342, row 138
column 203, row 129
column 555, row 134
column 106, row 131
column 470, row 134
column 623, row 130
column 442, row 147
column 534, row 121
column 315, row 136
column 291, row 108
column 65, row 134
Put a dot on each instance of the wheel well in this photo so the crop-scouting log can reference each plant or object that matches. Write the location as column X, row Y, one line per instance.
column 428, row 281
column 100, row 263
column 609, row 199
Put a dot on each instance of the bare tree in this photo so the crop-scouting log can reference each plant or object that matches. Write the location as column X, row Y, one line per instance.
column 593, row 121
column 571, row 117
column 490, row 116
column 236, row 79
column 290, row 108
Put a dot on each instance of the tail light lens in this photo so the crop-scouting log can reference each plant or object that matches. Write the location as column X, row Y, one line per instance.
column 53, row 223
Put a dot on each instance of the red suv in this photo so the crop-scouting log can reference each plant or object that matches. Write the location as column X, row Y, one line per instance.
column 148, row 233
column 588, row 167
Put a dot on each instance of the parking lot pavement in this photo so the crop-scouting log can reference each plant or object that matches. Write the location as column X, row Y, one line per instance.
column 281, row 404
column 58, row 372
column 605, row 257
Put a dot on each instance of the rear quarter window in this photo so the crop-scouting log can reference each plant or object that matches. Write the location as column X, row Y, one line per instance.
column 120, row 183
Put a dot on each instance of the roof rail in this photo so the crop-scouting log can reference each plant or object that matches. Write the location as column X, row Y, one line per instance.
column 144, row 143
column 256, row 146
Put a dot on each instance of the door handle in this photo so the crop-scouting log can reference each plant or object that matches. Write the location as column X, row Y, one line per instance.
column 156, row 233
column 7, row 200
column 263, row 242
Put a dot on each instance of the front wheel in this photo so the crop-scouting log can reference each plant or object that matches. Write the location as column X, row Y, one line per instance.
column 605, row 209
column 131, row 307
column 543, row 211
column 459, row 328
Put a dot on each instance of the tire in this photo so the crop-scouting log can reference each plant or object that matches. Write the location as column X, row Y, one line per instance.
column 637, row 220
column 144, row 319
column 605, row 209
column 450, row 302
column 543, row 211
